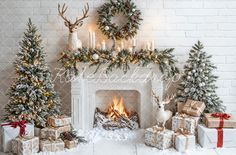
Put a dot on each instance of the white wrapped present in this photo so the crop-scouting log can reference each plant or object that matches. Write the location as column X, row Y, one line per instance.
column 53, row 133
column 219, row 137
column 186, row 122
column 159, row 138
column 59, row 121
column 8, row 133
column 183, row 141
column 25, row 146
column 52, row 146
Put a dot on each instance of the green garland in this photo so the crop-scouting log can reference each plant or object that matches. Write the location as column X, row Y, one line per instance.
column 112, row 30
column 122, row 60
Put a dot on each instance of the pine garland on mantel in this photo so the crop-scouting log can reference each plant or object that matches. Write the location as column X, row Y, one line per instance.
column 119, row 60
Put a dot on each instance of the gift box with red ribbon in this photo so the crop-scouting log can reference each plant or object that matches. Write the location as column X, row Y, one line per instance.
column 220, row 120
column 10, row 131
column 216, row 137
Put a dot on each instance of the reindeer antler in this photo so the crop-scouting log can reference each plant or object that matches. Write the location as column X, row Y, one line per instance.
column 169, row 98
column 155, row 96
column 62, row 11
column 85, row 15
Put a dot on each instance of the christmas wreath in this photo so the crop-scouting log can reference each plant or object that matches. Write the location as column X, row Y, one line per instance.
column 112, row 30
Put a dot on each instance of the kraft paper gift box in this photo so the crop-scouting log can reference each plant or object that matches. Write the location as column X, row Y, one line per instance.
column 157, row 138
column 193, row 108
column 217, row 119
column 186, row 122
column 71, row 143
column 214, row 138
column 59, row 121
column 53, row 133
column 25, row 146
column 9, row 133
column 52, row 146
column 180, row 106
column 184, row 141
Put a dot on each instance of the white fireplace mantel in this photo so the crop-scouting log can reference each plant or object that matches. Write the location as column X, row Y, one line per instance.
column 84, row 88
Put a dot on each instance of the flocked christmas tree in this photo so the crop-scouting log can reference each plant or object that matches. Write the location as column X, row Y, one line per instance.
column 198, row 81
column 32, row 96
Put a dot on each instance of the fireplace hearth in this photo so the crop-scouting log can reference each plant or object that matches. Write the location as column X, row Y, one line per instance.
column 116, row 116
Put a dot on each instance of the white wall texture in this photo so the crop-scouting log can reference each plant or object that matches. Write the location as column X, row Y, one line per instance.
column 171, row 23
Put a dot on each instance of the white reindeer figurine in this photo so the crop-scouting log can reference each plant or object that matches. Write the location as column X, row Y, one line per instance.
column 162, row 115
column 73, row 41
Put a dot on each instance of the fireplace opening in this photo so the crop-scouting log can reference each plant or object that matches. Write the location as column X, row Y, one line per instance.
column 117, row 109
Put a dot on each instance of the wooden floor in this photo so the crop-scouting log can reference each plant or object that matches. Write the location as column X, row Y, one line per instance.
column 110, row 147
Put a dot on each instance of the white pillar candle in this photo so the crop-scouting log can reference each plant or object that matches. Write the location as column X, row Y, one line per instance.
column 133, row 42
column 130, row 49
column 94, row 40
column 122, row 45
column 148, row 46
column 118, row 49
column 152, row 45
column 103, row 45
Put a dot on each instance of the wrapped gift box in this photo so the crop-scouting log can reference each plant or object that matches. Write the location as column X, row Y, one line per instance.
column 25, row 146
column 193, row 108
column 53, row 133
column 59, row 121
column 214, row 122
column 180, row 106
column 70, row 144
column 185, row 121
column 157, row 138
column 8, row 133
column 184, row 142
column 52, row 146
column 213, row 138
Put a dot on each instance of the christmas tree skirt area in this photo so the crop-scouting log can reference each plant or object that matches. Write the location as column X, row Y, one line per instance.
column 127, row 142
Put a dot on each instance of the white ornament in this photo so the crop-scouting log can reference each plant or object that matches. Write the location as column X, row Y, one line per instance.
column 206, row 78
column 200, row 70
column 188, row 77
column 107, row 28
column 133, row 10
column 198, row 59
column 193, row 71
column 203, row 64
column 118, row 3
column 95, row 56
column 203, row 84
column 192, row 89
column 186, row 90
column 189, row 73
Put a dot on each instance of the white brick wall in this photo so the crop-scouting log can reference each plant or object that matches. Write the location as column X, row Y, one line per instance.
column 171, row 23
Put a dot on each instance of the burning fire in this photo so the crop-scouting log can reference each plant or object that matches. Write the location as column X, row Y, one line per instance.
column 117, row 109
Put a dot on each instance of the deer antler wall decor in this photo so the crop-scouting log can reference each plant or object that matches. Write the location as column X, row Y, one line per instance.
column 73, row 41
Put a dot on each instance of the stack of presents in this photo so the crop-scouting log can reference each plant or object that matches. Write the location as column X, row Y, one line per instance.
column 191, row 126
column 21, row 139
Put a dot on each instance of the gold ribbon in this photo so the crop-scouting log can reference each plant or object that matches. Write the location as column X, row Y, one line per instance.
column 183, row 116
column 155, row 131
column 184, row 132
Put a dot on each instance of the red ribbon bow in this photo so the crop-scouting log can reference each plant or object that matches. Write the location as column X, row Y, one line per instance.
column 220, row 134
column 21, row 124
